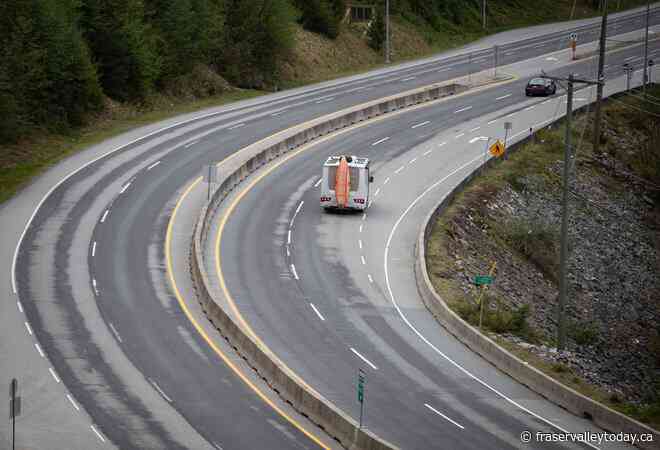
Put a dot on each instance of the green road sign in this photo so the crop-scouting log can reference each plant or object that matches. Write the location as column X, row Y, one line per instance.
column 360, row 388
column 481, row 280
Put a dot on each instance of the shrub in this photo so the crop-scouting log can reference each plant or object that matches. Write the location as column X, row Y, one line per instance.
column 583, row 333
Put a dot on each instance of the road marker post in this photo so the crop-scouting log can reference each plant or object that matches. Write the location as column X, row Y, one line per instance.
column 360, row 393
column 484, row 281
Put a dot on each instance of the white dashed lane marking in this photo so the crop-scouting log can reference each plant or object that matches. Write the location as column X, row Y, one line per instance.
column 72, row 402
column 317, row 312
column 443, row 416
column 153, row 165
column 373, row 366
column 421, row 124
column 380, row 141
column 97, row 433
column 52, row 372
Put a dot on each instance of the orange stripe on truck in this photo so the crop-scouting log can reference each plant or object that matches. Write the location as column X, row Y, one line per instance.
column 342, row 183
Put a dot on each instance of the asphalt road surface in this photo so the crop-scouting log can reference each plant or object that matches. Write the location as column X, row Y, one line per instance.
column 102, row 350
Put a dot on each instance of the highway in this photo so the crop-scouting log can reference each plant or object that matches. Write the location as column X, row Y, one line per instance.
column 119, row 363
column 321, row 288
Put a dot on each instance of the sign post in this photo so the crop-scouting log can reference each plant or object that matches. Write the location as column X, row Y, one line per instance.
column 360, row 393
column 484, row 281
column 14, row 409
column 507, row 127
column 210, row 174
column 573, row 38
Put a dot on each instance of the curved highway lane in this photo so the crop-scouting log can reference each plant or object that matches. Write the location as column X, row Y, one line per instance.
column 312, row 283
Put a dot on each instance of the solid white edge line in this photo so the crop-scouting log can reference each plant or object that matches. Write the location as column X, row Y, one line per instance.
column 443, row 416
column 19, row 305
column 38, row 347
column 288, row 252
column 29, row 330
column 288, row 237
column 94, row 249
column 52, row 372
column 190, row 144
column 239, row 125
column 84, row 166
column 105, row 214
column 317, row 312
column 420, row 335
column 100, row 436
column 373, row 366
column 72, row 402
column 123, row 189
column 293, row 270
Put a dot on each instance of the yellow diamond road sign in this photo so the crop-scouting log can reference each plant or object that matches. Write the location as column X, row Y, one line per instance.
column 497, row 149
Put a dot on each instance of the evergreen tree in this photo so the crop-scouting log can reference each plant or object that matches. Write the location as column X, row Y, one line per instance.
column 377, row 33
column 123, row 47
column 46, row 74
column 322, row 16
column 258, row 35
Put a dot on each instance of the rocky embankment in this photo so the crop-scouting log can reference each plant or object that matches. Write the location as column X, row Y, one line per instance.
column 613, row 307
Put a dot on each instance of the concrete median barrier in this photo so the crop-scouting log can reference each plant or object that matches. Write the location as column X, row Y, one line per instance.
column 235, row 169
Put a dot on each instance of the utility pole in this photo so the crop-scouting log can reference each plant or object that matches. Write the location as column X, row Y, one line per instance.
column 563, row 256
column 483, row 14
column 387, row 31
column 568, row 171
column 599, row 89
column 646, row 49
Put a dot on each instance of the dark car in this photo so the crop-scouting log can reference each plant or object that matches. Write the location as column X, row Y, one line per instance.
column 540, row 86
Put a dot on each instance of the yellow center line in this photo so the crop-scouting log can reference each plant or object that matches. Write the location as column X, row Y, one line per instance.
column 209, row 341
column 224, row 219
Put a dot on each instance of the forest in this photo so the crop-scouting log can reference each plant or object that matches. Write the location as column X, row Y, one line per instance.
column 61, row 60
